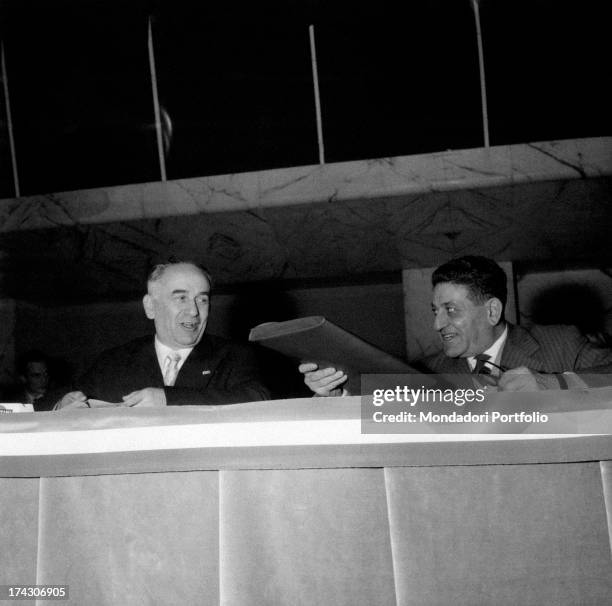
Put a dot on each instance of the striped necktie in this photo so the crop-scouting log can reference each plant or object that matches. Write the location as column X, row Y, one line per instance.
column 171, row 368
column 481, row 368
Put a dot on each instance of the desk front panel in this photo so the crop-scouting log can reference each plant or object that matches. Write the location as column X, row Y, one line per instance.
column 504, row 521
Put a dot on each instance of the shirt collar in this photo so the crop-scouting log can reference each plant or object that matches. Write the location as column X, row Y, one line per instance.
column 494, row 352
column 32, row 397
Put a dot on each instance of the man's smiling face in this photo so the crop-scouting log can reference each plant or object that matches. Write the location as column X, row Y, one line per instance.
column 178, row 303
column 466, row 327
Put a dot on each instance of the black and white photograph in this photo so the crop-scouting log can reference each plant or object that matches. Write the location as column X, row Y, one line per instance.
column 305, row 302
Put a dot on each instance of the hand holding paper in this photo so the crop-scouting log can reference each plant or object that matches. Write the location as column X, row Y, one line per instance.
column 151, row 397
column 316, row 340
column 324, row 381
column 73, row 399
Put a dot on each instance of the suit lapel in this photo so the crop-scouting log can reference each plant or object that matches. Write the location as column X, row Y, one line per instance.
column 520, row 349
column 455, row 366
column 198, row 367
column 454, row 372
column 146, row 366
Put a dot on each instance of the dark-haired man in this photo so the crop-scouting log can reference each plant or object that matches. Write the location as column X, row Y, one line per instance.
column 34, row 387
column 180, row 364
column 469, row 298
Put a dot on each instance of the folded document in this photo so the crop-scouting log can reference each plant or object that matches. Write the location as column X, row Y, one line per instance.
column 315, row 339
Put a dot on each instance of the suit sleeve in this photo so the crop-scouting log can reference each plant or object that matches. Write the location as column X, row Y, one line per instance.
column 236, row 378
column 102, row 380
column 594, row 365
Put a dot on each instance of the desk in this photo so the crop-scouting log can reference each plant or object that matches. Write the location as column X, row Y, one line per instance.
column 137, row 507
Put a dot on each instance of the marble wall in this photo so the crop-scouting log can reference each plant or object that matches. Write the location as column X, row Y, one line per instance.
column 568, row 220
column 467, row 169
column 523, row 202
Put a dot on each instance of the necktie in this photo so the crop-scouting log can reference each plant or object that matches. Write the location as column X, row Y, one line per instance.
column 481, row 368
column 171, row 367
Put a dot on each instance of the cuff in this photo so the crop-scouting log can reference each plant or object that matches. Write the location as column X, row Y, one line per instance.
column 573, row 381
column 562, row 381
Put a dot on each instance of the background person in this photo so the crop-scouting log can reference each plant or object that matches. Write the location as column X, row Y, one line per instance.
column 36, row 384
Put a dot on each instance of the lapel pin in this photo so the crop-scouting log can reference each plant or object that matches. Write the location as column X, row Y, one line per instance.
column 206, row 372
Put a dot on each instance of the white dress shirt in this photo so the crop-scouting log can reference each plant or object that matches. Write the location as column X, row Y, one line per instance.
column 494, row 352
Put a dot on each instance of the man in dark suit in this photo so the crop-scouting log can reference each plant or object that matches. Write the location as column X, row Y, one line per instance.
column 35, row 382
column 469, row 297
column 181, row 364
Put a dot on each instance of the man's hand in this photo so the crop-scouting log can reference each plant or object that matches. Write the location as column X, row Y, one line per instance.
column 524, row 379
column 149, row 396
column 324, row 382
column 73, row 399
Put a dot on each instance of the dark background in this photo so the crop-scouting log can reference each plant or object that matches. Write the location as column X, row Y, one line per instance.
column 235, row 83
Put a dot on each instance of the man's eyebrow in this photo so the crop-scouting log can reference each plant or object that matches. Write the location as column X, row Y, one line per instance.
column 182, row 291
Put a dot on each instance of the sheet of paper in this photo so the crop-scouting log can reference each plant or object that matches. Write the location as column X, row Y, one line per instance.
column 93, row 403
column 316, row 339
column 16, row 407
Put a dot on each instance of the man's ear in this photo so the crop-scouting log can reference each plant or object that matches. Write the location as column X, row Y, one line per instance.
column 495, row 310
column 147, row 302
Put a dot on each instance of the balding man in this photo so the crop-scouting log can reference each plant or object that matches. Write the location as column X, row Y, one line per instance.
column 180, row 364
